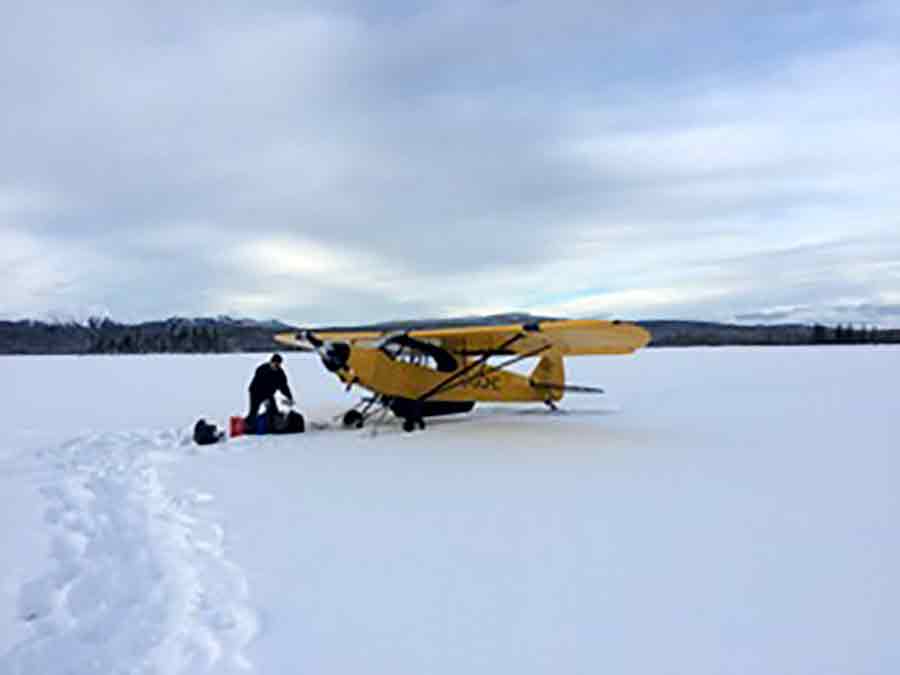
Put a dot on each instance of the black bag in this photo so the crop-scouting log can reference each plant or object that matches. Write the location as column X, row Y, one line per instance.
column 207, row 434
column 295, row 423
column 292, row 423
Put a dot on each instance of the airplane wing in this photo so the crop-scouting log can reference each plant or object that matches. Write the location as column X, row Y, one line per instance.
column 575, row 338
column 295, row 339
column 569, row 337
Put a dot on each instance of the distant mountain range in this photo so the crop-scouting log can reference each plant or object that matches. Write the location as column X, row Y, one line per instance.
column 226, row 334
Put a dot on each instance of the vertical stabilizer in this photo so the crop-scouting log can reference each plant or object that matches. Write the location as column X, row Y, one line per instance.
column 549, row 375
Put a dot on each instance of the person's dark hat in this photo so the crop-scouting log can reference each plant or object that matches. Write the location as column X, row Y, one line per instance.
column 276, row 358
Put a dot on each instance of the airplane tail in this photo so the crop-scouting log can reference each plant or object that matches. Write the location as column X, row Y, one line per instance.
column 549, row 375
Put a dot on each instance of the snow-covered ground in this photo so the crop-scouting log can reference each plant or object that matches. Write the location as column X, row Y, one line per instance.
column 719, row 511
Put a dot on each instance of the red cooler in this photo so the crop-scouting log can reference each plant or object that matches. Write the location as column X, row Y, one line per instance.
column 236, row 426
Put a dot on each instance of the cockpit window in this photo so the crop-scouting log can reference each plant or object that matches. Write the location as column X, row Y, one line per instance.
column 419, row 353
column 407, row 355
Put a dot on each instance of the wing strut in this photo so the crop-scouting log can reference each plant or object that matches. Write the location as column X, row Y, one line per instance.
column 441, row 386
column 504, row 364
column 452, row 382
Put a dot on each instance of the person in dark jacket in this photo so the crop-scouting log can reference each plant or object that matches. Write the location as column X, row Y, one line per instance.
column 267, row 379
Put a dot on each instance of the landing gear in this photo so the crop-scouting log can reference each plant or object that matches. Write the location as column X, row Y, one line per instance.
column 354, row 418
column 372, row 411
column 410, row 424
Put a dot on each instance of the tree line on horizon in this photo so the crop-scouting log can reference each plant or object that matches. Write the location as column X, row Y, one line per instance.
column 224, row 335
column 847, row 334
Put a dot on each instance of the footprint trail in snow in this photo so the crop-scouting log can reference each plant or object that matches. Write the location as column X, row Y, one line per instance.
column 140, row 581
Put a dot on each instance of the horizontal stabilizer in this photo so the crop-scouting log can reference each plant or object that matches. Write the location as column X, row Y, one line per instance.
column 571, row 388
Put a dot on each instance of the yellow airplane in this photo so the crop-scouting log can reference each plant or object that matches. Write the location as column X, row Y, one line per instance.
column 421, row 373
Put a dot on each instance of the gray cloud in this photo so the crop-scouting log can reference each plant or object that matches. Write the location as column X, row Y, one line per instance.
column 864, row 313
column 772, row 315
column 875, row 312
column 420, row 159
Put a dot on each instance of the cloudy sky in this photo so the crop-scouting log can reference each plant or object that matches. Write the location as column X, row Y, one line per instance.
column 351, row 161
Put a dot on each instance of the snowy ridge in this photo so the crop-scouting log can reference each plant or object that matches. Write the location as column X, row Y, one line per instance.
column 140, row 582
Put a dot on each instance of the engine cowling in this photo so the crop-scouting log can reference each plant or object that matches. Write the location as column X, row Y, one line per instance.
column 335, row 355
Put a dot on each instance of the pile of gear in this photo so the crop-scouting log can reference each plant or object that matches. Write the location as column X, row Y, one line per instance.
column 273, row 421
column 268, row 379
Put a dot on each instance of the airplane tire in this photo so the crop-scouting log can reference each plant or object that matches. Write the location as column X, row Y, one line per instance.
column 353, row 418
column 409, row 425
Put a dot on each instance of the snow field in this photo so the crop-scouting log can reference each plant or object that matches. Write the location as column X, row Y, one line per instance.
column 720, row 511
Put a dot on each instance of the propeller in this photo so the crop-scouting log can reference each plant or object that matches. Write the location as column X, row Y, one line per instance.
column 334, row 355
